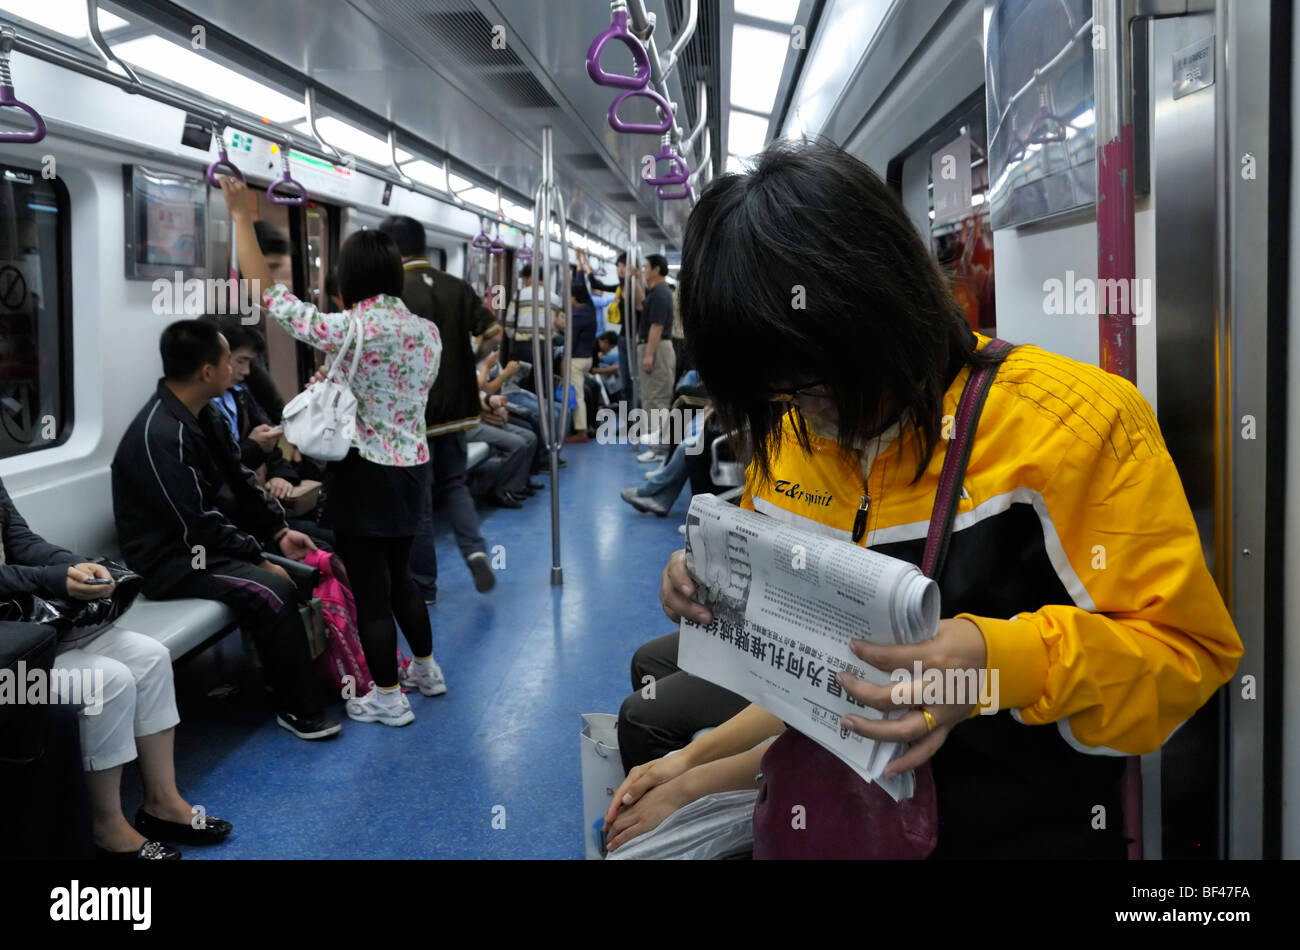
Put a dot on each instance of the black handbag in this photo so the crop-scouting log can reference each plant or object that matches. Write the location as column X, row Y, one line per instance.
column 65, row 614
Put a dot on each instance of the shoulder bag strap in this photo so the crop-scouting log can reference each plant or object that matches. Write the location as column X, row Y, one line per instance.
column 360, row 342
column 955, row 458
column 343, row 351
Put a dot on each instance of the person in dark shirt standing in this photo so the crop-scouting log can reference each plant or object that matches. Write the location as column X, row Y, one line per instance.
column 453, row 407
column 193, row 521
column 655, row 348
column 584, row 344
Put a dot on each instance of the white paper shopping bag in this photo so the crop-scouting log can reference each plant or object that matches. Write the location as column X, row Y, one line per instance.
column 602, row 773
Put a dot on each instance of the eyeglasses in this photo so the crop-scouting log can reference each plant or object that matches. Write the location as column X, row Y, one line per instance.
column 789, row 395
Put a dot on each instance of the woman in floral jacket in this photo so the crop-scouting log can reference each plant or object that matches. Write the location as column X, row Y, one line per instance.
column 380, row 486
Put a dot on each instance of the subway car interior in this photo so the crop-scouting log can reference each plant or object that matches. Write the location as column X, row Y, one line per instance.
column 1106, row 185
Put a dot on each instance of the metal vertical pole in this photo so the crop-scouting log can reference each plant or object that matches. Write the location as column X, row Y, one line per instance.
column 629, row 314
column 566, row 296
column 543, row 326
column 1116, row 254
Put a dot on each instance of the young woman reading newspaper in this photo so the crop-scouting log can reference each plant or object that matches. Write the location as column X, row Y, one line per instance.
column 1074, row 570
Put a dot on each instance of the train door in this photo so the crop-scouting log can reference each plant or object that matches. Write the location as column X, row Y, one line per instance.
column 305, row 239
column 1185, row 790
column 1211, row 108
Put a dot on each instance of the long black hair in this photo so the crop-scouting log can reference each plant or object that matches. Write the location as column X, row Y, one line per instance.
column 808, row 269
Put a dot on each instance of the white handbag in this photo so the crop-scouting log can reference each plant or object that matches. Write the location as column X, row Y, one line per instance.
column 322, row 419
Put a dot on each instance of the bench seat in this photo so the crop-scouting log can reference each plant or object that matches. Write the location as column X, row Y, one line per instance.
column 475, row 453
column 180, row 625
column 78, row 514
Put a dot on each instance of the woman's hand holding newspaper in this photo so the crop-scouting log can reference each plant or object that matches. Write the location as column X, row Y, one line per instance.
column 676, row 587
column 958, row 646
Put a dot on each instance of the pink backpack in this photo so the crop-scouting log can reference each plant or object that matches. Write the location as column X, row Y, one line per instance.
column 343, row 656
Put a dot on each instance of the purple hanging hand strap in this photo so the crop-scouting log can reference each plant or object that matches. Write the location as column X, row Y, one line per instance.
column 618, row 31
column 955, row 458
column 223, row 163
column 286, row 181
column 679, row 173
column 8, row 98
column 641, row 128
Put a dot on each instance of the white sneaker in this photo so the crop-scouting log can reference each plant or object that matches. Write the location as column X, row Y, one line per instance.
column 649, row 456
column 430, row 683
column 368, row 708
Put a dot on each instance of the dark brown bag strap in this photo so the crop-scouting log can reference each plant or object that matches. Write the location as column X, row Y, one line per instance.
column 955, row 459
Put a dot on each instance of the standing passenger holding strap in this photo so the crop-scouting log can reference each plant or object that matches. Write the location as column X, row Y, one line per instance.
column 380, row 487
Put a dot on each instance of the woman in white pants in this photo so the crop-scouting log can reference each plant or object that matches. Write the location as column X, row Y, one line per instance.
column 123, row 683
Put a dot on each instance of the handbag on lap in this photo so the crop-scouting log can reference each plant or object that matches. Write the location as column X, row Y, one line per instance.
column 844, row 817
column 72, row 618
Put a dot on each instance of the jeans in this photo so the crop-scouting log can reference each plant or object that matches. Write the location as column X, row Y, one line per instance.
column 666, row 484
column 528, row 400
column 448, row 453
column 506, row 469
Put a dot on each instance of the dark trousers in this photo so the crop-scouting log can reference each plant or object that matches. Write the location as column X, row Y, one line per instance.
column 380, row 571
column 450, row 492
column 624, row 369
column 267, row 607
column 44, row 806
column 682, row 705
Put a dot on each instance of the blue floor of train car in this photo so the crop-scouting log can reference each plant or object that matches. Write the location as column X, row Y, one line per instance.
column 522, row 663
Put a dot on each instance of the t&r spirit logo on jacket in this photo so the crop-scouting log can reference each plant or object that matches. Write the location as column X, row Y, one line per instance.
column 817, row 497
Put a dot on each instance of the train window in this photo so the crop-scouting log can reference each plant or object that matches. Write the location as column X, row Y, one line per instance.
column 35, row 312
column 275, row 237
column 319, row 254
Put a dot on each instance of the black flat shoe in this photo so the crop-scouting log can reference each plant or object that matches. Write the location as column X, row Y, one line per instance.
column 214, row 830
column 503, row 499
column 149, row 851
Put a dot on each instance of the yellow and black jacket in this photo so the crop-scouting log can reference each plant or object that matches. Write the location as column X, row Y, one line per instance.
column 1075, row 552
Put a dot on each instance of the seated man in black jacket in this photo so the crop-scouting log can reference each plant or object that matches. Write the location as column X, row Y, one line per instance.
column 193, row 520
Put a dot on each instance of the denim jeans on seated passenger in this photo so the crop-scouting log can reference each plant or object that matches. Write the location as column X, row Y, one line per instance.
column 666, row 483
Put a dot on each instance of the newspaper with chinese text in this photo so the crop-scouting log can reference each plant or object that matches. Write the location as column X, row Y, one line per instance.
column 785, row 604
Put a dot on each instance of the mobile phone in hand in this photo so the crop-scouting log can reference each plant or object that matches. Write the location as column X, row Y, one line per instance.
column 98, row 581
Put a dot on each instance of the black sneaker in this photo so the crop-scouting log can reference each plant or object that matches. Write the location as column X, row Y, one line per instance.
column 484, row 579
column 315, row 726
